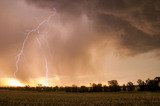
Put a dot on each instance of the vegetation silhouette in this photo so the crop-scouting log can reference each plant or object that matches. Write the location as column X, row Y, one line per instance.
column 113, row 86
column 130, row 86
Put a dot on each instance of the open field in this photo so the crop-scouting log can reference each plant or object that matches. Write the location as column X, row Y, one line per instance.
column 26, row 98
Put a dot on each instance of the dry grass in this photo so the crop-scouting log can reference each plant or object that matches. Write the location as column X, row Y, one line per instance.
column 22, row 98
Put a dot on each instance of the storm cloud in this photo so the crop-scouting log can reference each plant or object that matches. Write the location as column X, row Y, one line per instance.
column 137, row 22
column 78, row 37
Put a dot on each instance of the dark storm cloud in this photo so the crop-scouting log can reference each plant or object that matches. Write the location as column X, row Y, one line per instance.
column 137, row 20
column 79, row 38
column 130, row 37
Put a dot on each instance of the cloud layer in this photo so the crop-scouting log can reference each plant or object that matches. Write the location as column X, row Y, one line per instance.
column 79, row 36
column 136, row 23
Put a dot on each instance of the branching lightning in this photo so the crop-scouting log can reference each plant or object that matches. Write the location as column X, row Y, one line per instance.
column 36, row 29
column 45, row 62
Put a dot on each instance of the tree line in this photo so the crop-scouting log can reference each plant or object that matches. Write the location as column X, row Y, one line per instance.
column 113, row 86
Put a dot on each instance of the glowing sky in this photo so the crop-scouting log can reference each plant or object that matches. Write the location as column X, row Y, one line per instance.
column 86, row 41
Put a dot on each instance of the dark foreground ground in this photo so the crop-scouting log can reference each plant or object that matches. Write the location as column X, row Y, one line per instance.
column 25, row 98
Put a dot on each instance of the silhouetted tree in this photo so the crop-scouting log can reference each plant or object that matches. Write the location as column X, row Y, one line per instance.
column 74, row 88
column 113, row 86
column 157, row 79
column 142, row 85
column 27, row 87
column 61, row 88
column 124, row 88
column 154, row 85
column 105, row 88
column 130, row 86
column 68, row 89
column 97, row 87
column 83, row 89
column 56, row 88
column 39, row 87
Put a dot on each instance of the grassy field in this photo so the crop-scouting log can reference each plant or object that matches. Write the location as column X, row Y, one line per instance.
column 25, row 98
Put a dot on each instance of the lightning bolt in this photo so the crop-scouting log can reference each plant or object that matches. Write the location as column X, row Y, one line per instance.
column 46, row 63
column 36, row 29
column 46, row 70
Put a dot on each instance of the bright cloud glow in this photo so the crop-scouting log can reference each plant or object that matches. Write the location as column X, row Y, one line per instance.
column 14, row 82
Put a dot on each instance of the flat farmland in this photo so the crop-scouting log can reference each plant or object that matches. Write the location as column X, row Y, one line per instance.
column 29, row 98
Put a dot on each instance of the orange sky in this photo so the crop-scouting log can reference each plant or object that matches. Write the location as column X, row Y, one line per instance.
column 84, row 42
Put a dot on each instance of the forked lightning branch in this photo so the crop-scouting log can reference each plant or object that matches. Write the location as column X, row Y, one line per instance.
column 21, row 52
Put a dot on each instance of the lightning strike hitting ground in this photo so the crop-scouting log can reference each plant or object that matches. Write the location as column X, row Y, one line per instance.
column 20, row 53
column 46, row 63
column 46, row 71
